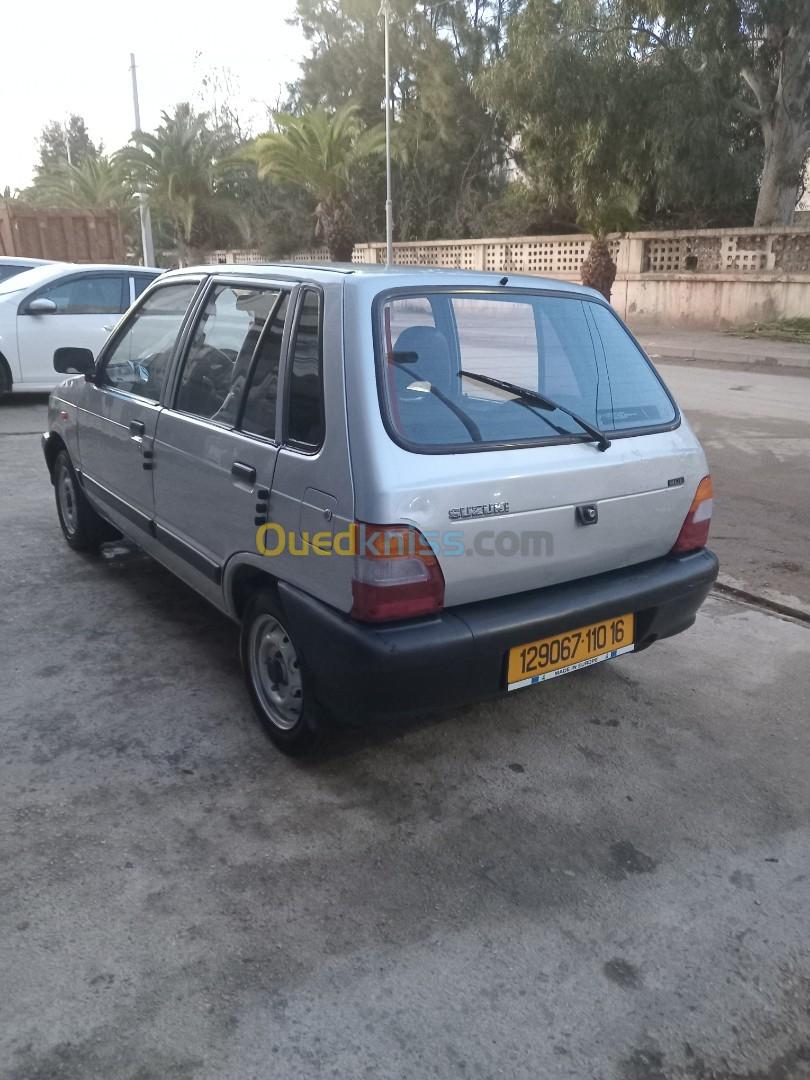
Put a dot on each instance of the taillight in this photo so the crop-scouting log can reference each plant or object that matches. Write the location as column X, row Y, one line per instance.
column 695, row 529
column 396, row 574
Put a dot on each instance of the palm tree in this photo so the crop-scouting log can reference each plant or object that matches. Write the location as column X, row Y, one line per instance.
column 178, row 168
column 602, row 215
column 321, row 152
column 93, row 184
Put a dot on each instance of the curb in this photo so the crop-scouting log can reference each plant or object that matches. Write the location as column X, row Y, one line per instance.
column 768, row 599
column 717, row 356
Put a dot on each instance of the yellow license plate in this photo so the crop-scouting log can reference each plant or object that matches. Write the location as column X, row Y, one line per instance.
column 557, row 655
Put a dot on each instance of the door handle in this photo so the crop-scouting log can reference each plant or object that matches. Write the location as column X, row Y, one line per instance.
column 137, row 427
column 245, row 473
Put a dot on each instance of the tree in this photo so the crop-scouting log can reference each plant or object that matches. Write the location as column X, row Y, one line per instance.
column 93, row 184
column 452, row 147
column 181, row 168
column 322, row 152
column 65, row 144
column 589, row 107
column 765, row 45
column 615, row 213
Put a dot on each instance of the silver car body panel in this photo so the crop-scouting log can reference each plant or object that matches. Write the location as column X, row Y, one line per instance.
column 642, row 486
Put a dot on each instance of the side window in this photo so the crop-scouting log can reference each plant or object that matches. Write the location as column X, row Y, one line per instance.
column 305, row 414
column 260, row 407
column 97, row 294
column 218, row 360
column 637, row 398
column 140, row 356
column 141, row 281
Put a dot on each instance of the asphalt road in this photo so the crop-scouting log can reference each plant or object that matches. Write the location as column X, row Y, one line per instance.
column 602, row 877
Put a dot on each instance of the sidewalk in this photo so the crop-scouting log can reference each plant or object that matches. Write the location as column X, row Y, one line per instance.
column 714, row 346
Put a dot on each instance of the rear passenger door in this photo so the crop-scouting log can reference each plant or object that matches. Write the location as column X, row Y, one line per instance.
column 216, row 449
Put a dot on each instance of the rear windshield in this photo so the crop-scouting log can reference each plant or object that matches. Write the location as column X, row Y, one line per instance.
column 572, row 350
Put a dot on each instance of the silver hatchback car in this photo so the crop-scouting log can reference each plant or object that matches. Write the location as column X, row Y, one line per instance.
column 411, row 487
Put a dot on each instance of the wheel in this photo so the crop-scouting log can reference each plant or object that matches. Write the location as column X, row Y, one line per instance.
column 277, row 679
column 82, row 527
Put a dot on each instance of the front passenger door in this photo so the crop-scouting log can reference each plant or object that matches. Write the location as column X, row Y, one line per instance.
column 88, row 306
column 120, row 409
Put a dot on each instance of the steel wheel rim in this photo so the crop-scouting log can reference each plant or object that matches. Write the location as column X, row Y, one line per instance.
column 66, row 493
column 275, row 671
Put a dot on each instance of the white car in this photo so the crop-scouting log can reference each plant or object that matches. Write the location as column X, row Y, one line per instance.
column 60, row 304
column 11, row 265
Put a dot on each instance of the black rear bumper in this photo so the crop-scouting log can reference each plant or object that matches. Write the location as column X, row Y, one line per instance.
column 459, row 655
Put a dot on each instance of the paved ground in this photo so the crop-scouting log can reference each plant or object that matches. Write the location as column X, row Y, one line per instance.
column 605, row 877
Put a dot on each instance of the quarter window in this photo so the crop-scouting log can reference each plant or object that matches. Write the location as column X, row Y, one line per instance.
column 140, row 357
column 220, row 354
column 141, row 281
column 305, row 417
column 99, row 294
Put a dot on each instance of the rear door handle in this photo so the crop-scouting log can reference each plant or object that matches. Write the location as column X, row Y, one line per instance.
column 137, row 427
column 245, row 473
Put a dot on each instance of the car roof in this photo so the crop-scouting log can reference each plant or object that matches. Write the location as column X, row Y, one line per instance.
column 42, row 275
column 22, row 260
column 375, row 278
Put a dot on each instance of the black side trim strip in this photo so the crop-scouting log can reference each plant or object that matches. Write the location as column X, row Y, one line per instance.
column 195, row 558
column 121, row 506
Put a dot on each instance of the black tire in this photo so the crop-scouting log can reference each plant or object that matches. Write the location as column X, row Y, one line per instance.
column 277, row 678
column 82, row 527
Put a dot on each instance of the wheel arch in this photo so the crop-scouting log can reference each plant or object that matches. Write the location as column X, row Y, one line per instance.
column 6, row 378
column 242, row 580
column 53, row 446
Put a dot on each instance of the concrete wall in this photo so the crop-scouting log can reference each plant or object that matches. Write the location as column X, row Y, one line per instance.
column 710, row 301
column 710, row 278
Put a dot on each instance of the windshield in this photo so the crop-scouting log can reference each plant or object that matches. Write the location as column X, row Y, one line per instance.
column 29, row 279
column 571, row 350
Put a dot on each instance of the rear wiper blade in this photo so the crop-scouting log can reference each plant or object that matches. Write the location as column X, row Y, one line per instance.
column 602, row 441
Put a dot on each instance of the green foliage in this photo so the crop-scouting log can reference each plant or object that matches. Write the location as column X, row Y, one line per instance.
column 322, row 153
column 180, row 169
column 451, row 147
column 318, row 151
column 615, row 211
column 93, row 184
column 63, row 144
column 797, row 330
column 591, row 111
column 511, row 117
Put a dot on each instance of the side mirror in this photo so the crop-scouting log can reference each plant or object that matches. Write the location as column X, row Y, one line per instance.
column 41, row 306
column 70, row 360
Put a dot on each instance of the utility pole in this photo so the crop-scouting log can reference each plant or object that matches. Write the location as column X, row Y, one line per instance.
column 143, row 206
column 385, row 10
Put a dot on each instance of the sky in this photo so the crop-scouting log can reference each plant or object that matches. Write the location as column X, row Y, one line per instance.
column 61, row 58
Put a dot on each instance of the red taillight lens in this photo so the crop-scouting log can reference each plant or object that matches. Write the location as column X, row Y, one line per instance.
column 396, row 574
column 694, row 532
